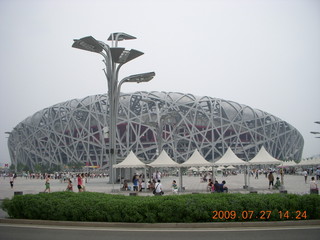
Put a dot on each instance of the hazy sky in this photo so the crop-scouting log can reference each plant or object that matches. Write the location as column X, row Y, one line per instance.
column 261, row 53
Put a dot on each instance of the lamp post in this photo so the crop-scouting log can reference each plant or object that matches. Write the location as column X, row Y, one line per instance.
column 114, row 59
column 161, row 118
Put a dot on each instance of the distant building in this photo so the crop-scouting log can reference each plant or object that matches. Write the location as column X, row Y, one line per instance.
column 77, row 130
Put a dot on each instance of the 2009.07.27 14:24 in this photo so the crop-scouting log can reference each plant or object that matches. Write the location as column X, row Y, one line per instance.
column 262, row 215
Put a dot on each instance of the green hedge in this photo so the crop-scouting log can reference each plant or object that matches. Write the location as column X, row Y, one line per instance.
column 88, row 206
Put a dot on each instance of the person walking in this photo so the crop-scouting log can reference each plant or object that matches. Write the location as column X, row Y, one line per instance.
column 135, row 181
column 11, row 180
column 84, row 180
column 79, row 184
column 282, row 176
column 305, row 174
column 47, row 184
column 271, row 179
column 257, row 174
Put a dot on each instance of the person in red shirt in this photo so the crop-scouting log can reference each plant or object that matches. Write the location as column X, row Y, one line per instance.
column 79, row 179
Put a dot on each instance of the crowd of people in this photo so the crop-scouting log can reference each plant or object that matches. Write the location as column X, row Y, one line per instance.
column 81, row 179
column 62, row 176
column 216, row 187
column 139, row 182
column 152, row 182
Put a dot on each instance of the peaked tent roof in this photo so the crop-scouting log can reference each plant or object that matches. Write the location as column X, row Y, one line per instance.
column 289, row 164
column 196, row 160
column 229, row 158
column 131, row 161
column 309, row 162
column 263, row 157
column 163, row 161
column 230, row 167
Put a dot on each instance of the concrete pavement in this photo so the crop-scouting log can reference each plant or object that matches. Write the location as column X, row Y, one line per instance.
column 292, row 183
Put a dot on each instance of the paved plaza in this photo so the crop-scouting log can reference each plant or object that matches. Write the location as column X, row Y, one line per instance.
column 292, row 183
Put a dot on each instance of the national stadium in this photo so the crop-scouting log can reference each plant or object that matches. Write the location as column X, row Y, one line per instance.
column 76, row 131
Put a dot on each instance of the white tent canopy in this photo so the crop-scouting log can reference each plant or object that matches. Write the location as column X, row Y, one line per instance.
column 163, row 161
column 309, row 162
column 131, row 161
column 203, row 169
column 230, row 167
column 289, row 164
column 196, row 160
column 229, row 158
column 263, row 157
column 193, row 169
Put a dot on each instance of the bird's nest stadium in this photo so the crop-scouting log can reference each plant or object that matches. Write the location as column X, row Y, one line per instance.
column 77, row 130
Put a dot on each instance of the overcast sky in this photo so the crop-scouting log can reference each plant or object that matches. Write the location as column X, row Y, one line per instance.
column 261, row 53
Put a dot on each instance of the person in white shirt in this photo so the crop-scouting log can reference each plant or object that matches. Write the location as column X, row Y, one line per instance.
column 305, row 174
column 158, row 175
column 313, row 186
column 142, row 186
column 158, row 188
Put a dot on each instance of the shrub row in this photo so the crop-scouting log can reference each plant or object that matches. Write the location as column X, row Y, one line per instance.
column 88, row 206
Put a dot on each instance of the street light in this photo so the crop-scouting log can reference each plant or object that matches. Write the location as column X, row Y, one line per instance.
column 316, row 133
column 139, row 78
column 119, row 36
column 88, row 44
column 158, row 124
column 114, row 58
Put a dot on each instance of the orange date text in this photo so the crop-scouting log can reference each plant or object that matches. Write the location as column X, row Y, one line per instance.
column 260, row 215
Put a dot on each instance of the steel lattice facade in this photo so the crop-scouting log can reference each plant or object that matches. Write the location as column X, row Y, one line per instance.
column 74, row 131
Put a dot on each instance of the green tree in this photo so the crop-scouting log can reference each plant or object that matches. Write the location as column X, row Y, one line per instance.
column 26, row 168
column 12, row 167
column 37, row 168
column 78, row 166
column 20, row 167
column 55, row 168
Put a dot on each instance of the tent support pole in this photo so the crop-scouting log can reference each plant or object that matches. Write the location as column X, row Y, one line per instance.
column 112, row 179
column 145, row 179
column 245, row 177
column 120, row 179
column 180, row 180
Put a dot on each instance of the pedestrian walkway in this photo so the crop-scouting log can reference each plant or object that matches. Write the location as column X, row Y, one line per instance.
column 192, row 184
